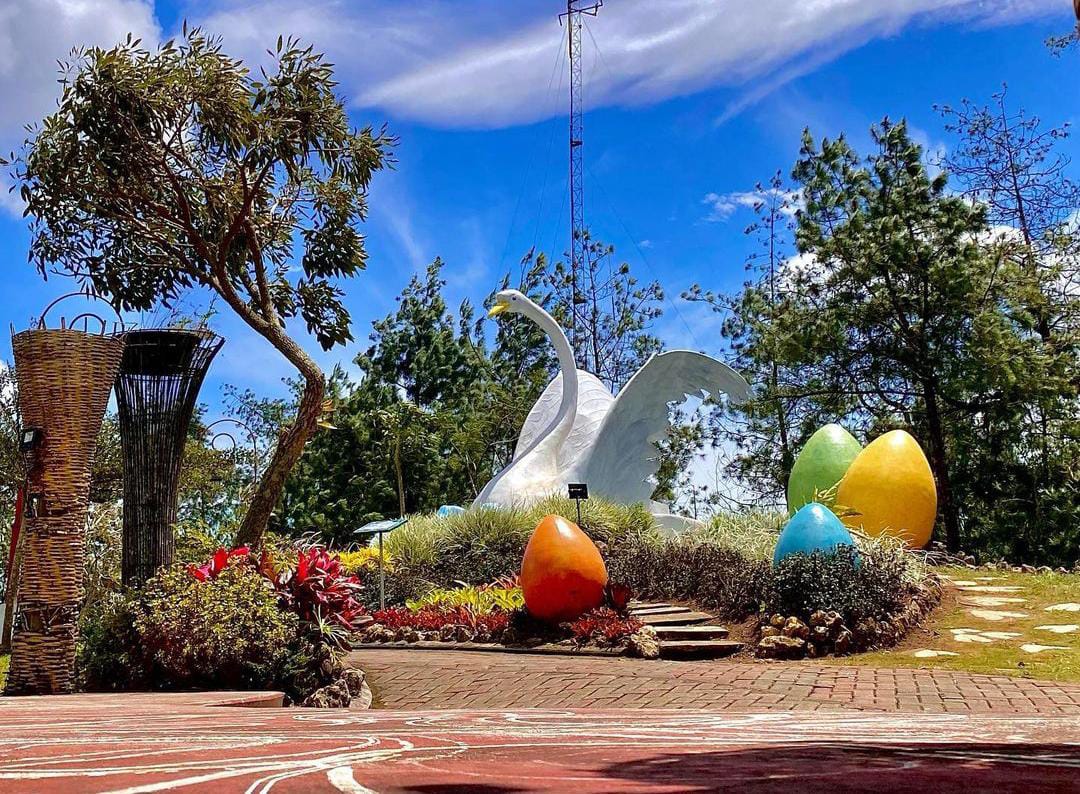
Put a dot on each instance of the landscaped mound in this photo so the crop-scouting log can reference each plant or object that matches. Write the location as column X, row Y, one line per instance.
column 862, row 597
column 236, row 621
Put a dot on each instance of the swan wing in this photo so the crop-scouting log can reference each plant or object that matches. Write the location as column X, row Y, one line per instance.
column 622, row 461
column 594, row 401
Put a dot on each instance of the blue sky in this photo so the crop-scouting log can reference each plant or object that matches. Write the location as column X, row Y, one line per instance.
column 687, row 98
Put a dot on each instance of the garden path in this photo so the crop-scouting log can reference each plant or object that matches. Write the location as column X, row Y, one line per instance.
column 404, row 678
column 996, row 622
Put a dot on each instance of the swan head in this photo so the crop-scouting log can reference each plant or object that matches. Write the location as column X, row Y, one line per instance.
column 508, row 300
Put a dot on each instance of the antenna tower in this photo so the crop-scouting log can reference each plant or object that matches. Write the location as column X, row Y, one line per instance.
column 575, row 10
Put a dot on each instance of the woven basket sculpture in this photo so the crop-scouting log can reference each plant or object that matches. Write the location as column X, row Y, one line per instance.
column 65, row 377
column 159, row 381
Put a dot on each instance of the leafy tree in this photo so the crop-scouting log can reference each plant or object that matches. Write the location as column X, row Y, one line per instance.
column 1059, row 44
column 1014, row 165
column 1010, row 163
column 432, row 419
column 606, row 313
column 907, row 310
column 173, row 169
column 790, row 400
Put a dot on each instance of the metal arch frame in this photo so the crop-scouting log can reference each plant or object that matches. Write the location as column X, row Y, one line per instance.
column 256, row 458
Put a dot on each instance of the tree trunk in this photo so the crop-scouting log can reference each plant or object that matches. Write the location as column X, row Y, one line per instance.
column 289, row 448
column 939, row 464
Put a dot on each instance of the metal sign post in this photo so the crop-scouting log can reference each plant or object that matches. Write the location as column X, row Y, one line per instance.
column 578, row 491
column 380, row 528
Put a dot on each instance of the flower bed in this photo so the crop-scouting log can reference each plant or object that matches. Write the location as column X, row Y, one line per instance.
column 496, row 616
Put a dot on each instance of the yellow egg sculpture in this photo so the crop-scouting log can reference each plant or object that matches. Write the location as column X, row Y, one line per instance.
column 891, row 487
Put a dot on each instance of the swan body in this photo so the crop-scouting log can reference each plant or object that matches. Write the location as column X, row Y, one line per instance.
column 579, row 432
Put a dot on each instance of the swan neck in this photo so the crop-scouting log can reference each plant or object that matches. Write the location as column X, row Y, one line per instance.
column 568, row 366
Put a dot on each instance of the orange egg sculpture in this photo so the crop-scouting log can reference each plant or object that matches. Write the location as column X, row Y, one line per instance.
column 891, row 488
column 562, row 573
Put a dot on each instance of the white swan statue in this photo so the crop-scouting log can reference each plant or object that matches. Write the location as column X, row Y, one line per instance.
column 581, row 433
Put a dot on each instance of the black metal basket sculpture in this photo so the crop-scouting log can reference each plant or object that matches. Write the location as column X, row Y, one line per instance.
column 159, row 381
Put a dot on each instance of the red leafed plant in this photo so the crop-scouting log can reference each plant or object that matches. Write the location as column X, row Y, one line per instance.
column 319, row 588
column 604, row 625
column 433, row 618
column 213, row 567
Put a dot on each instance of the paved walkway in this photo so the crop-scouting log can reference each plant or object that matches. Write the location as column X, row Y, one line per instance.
column 152, row 742
column 412, row 679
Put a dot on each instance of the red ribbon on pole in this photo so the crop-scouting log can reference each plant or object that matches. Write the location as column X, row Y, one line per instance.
column 16, row 527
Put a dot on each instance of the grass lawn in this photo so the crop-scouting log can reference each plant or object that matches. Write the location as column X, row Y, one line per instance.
column 995, row 655
column 4, row 660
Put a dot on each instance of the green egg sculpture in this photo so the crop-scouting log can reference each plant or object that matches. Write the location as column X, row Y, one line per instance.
column 820, row 465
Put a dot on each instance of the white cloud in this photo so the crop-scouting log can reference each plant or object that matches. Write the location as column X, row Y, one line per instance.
column 723, row 205
column 474, row 63
column 35, row 34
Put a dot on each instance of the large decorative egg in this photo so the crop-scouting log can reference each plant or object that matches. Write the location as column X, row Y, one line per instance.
column 813, row 528
column 820, row 466
column 562, row 573
column 891, row 488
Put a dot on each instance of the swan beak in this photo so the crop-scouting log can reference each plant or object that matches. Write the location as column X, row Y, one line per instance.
column 497, row 309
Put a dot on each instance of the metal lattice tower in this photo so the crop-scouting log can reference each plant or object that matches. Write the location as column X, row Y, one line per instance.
column 156, row 391
column 575, row 10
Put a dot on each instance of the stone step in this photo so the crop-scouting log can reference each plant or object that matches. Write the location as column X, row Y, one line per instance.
column 688, row 633
column 678, row 619
column 661, row 610
column 699, row 649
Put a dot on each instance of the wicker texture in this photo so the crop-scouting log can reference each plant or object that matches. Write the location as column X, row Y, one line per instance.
column 156, row 390
column 65, row 377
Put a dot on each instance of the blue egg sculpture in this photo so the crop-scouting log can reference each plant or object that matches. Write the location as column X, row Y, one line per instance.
column 449, row 510
column 813, row 528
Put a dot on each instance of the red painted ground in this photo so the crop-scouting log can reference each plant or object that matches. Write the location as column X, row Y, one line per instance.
column 143, row 742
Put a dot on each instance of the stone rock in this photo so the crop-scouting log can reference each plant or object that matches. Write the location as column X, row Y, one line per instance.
column 795, row 628
column 1025, row 568
column 644, row 643
column 835, row 624
column 448, row 633
column 819, row 618
column 777, row 621
column 781, row 647
column 349, row 690
column 769, row 631
column 842, row 643
column 332, row 696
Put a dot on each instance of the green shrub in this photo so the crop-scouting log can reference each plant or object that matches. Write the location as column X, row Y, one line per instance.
column 196, row 541
column 690, row 568
column 870, row 584
column 109, row 655
column 227, row 632
column 482, row 545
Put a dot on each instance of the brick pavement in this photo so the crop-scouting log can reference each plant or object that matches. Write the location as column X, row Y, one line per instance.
column 412, row 679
